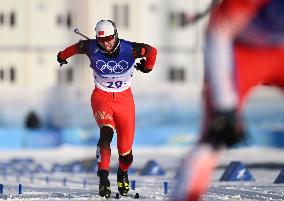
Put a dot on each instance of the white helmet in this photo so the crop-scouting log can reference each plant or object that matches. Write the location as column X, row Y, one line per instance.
column 105, row 28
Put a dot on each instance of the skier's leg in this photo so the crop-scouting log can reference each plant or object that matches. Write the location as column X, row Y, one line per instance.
column 104, row 117
column 196, row 172
column 124, row 116
column 103, row 114
column 103, row 157
column 103, row 148
column 125, row 125
column 198, row 167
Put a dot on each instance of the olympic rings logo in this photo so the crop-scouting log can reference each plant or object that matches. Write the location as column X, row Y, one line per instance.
column 112, row 66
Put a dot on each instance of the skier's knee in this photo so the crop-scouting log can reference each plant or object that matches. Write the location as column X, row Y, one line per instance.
column 106, row 135
column 126, row 159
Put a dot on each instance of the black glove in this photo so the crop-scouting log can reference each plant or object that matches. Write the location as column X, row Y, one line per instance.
column 61, row 61
column 224, row 128
column 140, row 65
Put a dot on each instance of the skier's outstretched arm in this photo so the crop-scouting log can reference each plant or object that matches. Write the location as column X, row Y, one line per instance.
column 146, row 55
column 78, row 48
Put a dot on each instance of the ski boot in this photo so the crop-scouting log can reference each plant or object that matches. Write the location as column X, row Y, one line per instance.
column 104, row 184
column 122, row 182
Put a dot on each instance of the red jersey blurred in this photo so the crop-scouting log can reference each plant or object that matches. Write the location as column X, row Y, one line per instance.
column 245, row 47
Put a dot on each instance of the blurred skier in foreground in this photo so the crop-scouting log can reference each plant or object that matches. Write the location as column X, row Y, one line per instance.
column 113, row 61
column 244, row 48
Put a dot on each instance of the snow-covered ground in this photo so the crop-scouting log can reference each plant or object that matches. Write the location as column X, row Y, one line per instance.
column 264, row 163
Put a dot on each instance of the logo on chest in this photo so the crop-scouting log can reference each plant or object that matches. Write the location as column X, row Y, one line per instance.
column 112, row 67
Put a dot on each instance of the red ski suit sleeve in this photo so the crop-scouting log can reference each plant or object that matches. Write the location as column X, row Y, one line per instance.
column 144, row 50
column 78, row 48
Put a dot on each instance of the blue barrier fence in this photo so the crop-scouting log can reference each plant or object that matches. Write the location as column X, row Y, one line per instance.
column 19, row 138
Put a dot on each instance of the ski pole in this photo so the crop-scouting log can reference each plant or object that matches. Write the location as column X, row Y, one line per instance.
column 1, row 188
column 76, row 31
column 166, row 187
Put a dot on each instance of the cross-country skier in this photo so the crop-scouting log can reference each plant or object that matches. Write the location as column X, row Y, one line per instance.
column 244, row 49
column 113, row 61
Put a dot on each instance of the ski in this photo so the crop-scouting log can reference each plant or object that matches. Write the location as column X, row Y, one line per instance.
column 134, row 196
